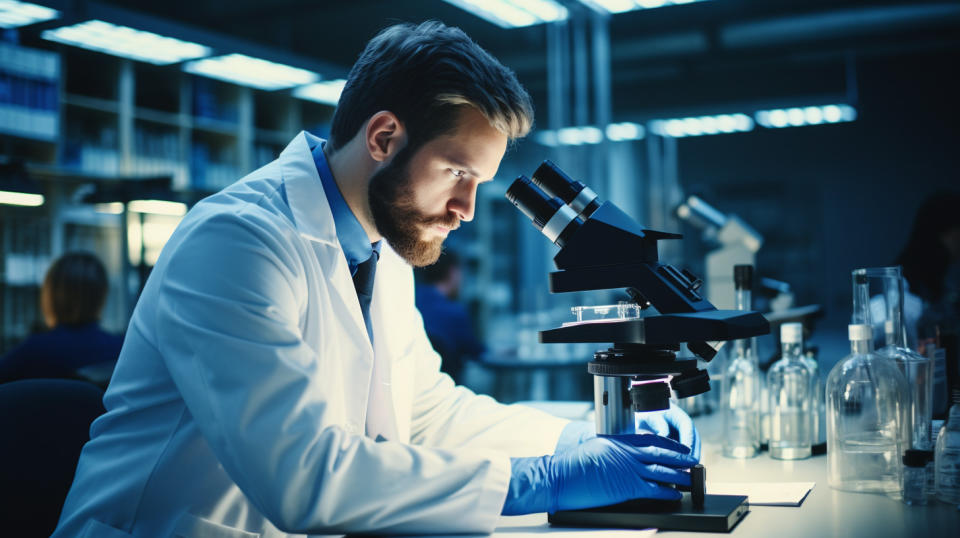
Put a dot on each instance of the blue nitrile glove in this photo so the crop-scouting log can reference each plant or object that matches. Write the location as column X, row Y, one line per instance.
column 673, row 423
column 598, row 472
column 574, row 433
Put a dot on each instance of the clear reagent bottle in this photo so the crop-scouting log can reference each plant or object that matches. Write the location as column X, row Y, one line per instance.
column 792, row 402
column 741, row 383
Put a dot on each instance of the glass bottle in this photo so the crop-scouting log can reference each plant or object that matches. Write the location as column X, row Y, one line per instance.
column 914, row 477
column 947, row 458
column 818, row 426
column 792, row 403
column 865, row 399
column 741, row 383
column 916, row 368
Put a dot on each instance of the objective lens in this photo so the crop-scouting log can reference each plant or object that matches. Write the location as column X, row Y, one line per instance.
column 556, row 182
column 550, row 215
column 650, row 397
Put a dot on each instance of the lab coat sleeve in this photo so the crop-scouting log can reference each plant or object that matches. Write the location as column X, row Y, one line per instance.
column 227, row 317
column 454, row 417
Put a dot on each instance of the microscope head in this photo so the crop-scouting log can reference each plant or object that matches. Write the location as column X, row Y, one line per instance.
column 601, row 247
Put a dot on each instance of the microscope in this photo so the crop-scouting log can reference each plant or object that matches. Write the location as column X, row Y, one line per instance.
column 602, row 248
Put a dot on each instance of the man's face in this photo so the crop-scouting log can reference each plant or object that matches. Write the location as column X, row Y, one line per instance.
column 420, row 196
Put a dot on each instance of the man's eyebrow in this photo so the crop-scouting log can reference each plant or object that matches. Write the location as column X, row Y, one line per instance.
column 460, row 164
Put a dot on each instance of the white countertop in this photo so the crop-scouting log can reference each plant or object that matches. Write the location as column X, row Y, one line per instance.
column 825, row 512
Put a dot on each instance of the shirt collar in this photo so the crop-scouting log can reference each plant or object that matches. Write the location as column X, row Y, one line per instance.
column 353, row 239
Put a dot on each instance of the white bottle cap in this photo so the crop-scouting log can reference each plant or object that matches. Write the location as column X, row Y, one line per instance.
column 791, row 333
column 860, row 332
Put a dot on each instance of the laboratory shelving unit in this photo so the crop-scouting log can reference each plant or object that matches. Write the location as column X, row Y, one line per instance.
column 93, row 117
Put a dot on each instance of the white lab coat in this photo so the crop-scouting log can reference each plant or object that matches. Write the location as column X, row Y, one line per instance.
column 238, row 405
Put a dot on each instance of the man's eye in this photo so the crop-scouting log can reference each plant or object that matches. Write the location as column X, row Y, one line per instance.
column 457, row 173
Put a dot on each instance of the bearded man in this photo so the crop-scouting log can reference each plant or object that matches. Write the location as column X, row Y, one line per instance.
column 276, row 379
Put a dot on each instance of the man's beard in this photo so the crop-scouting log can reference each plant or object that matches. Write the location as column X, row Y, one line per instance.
column 393, row 206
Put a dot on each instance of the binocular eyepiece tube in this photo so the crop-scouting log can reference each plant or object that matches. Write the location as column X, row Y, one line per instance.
column 575, row 194
column 550, row 215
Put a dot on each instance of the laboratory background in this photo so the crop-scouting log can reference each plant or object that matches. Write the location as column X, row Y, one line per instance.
column 808, row 139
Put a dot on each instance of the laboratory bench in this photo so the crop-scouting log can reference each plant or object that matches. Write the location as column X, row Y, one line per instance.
column 824, row 512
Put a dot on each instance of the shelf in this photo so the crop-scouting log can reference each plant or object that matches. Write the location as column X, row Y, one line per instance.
column 267, row 136
column 92, row 103
column 171, row 119
column 215, row 126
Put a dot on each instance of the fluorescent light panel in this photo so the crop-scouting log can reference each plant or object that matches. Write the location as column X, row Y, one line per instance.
column 621, row 6
column 157, row 207
column 326, row 91
column 15, row 14
column 702, row 125
column 127, row 42
column 578, row 136
column 513, row 13
column 254, row 72
column 21, row 198
column 808, row 115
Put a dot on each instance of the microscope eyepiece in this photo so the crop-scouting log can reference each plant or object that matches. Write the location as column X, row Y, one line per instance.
column 557, row 183
column 550, row 215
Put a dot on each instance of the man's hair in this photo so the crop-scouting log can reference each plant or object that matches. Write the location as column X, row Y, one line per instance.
column 75, row 289
column 425, row 74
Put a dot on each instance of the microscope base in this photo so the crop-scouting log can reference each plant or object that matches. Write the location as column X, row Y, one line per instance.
column 720, row 513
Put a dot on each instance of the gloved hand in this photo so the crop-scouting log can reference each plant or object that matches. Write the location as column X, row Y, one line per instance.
column 598, row 472
column 574, row 433
column 673, row 423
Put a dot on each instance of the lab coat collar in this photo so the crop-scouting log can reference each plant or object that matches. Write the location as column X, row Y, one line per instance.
column 305, row 195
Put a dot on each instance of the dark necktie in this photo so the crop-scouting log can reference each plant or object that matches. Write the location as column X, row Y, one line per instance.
column 363, row 283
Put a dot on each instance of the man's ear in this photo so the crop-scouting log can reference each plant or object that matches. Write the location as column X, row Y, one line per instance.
column 384, row 136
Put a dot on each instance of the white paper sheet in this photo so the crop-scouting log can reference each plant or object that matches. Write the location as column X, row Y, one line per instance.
column 764, row 493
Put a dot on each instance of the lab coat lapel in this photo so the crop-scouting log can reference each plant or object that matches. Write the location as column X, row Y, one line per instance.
column 314, row 220
column 382, row 411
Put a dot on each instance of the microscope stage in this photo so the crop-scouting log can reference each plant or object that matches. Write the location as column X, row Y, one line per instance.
column 720, row 513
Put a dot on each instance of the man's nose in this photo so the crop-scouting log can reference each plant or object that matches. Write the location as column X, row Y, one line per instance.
column 464, row 201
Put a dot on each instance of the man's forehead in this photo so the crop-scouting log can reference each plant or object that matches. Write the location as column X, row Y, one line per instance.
column 475, row 146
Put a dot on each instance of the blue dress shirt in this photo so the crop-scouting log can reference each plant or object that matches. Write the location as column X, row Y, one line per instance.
column 353, row 239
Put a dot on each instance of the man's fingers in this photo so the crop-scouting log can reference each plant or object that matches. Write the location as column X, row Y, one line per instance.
column 656, row 422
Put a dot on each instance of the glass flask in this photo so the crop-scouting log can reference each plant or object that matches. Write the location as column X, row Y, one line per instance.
column 866, row 394
column 947, row 458
column 887, row 312
column 792, row 401
column 740, row 399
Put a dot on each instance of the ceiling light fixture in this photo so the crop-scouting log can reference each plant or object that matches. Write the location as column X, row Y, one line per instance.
column 513, row 13
column 126, row 42
column 326, row 91
column 254, row 72
column 14, row 14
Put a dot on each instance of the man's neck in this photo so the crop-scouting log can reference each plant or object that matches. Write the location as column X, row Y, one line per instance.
column 352, row 169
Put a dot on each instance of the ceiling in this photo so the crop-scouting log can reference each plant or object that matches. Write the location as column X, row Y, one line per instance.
column 680, row 57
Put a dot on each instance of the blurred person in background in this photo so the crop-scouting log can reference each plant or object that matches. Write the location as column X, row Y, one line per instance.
column 445, row 319
column 931, row 257
column 72, row 298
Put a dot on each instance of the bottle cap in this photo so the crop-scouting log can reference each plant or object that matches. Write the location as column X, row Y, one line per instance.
column 743, row 277
column 860, row 332
column 917, row 458
column 791, row 333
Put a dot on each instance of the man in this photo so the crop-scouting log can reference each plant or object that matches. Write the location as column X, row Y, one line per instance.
column 268, row 388
column 445, row 320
